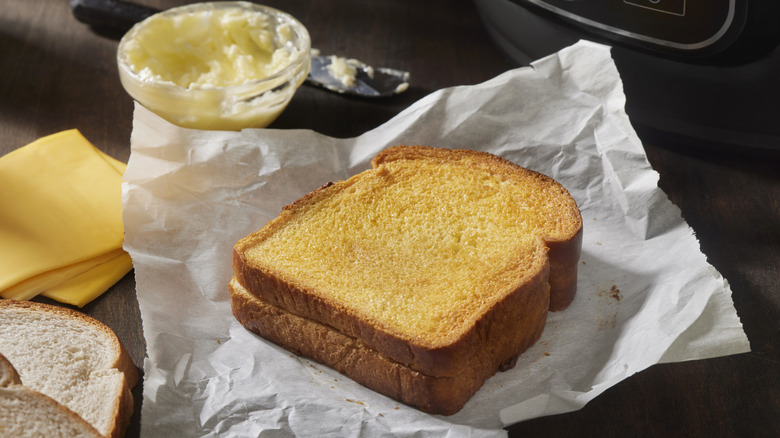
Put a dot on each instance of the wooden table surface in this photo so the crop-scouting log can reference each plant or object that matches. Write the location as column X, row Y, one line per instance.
column 56, row 74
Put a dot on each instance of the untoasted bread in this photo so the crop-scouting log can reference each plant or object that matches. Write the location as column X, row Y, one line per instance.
column 71, row 358
column 27, row 413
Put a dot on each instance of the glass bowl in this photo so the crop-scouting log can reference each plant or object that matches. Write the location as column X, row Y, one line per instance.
column 215, row 65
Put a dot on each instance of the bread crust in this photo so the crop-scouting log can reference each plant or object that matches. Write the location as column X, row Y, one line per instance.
column 564, row 259
column 8, row 374
column 123, row 405
column 353, row 358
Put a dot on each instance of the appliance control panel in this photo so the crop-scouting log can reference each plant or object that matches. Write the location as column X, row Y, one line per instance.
column 674, row 7
column 681, row 25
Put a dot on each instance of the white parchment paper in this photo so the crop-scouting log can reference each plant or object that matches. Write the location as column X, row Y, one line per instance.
column 646, row 293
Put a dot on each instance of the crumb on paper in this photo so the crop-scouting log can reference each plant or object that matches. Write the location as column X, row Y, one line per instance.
column 357, row 402
column 610, row 296
column 608, row 322
column 614, row 293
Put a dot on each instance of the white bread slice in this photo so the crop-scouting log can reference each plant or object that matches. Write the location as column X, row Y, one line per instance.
column 72, row 358
column 27, row 413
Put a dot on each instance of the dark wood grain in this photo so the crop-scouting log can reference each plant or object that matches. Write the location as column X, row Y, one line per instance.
column 56, row 74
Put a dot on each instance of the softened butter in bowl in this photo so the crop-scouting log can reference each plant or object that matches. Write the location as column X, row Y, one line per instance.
column 219, row 66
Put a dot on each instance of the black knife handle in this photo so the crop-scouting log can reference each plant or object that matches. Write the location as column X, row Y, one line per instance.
column 110, row 16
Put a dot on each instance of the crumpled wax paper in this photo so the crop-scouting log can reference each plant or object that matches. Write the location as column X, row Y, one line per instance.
column 646, row 293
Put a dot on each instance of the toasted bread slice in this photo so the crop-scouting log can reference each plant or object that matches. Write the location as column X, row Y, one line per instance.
column 71, row 358
column 27, row 413
column 442, row 261
column 353, row 358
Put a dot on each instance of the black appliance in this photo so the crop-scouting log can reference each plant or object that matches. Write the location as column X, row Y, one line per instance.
column 698, row 69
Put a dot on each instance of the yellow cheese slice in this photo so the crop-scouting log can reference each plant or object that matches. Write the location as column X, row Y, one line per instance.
column 37, row 284
column 60, row 215
column 85, row 287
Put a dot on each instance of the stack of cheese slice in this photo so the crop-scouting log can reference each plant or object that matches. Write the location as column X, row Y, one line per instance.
column 61, row 220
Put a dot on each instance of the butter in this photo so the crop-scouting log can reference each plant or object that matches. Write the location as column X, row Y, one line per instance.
column 208, row 48
column 61, row 227
column 344, row 70
column 220, row 66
